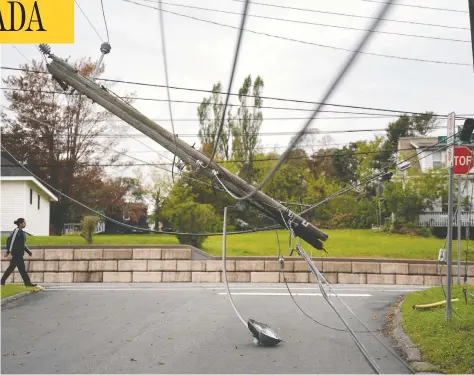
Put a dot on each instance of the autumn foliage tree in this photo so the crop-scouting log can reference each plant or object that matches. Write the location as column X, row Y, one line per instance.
column 57, row 135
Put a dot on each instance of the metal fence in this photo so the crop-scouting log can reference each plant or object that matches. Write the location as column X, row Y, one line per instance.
column 440, row 219
column 77, row 227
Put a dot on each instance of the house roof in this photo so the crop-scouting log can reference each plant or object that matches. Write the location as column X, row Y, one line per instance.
column 407, row 144
column 11, row 171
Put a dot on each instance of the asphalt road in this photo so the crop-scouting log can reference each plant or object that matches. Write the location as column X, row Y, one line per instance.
column 190, row 328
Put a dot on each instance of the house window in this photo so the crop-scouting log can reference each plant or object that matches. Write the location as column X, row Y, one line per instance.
column 39, row 199
column 31, row 196
column 437, row 160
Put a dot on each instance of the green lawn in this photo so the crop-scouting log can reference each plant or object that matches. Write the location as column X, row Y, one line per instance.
column 449, row 345
column 341, row 243
column 12, row 289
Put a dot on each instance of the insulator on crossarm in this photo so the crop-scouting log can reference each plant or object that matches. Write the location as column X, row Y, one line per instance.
column 105, row 48
column 45, row 49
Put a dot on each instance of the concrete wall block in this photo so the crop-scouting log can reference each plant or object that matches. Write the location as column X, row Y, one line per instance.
column 432, row 280
column 191, row 265
column 11, row 278
column 37, row 254
column 35, row 277
column 237, row 277
column 470, row 281
column 58, row 277
column 302, row 266
column 206, row 277
column 274, row 266
column 345, row 267
column 409, row 279
column 394, row 268
column 73, row 265
column 264, row 277
column 5, row 265
column 295, row 277
column 43, row 266
column 103, row 265
column 331, row 277
column 176, row 277
column 470, row 270
column 132, row 265
column 422, row 269
column 147, row 277
column 88, row 277
column 88, row 254
column 117, row 277
column 58, row 254
column 116, row 254
column 352, row 278
column 380, row 279
column 146, row 253
column 365, row 267
column 162, row 265
column 250, row 265
column 216, row 265
column 176, row 254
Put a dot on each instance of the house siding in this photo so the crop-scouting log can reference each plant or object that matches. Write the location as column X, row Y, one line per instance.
column 13, row 204
column 37, row 219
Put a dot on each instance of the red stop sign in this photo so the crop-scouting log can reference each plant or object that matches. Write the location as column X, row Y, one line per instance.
column 463, row 160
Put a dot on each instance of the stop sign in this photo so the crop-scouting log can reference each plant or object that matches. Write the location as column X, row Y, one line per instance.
column 463, row 160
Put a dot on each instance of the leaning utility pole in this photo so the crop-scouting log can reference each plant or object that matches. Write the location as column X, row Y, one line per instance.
column 471, row 17
column 66, row 75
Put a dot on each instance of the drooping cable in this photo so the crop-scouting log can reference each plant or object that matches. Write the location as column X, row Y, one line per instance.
column 313, row 268
column 338, row 79
column 127, row 225
column 88, row 20
column 105, row 20
column 165, row 63
column 231, row 79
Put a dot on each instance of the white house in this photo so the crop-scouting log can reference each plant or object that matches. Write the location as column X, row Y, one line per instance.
column 22, row 195
column 432, row 155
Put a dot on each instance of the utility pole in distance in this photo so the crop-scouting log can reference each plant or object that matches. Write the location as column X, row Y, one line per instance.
column 471, row 17
column 66, row 75
column 450, row 165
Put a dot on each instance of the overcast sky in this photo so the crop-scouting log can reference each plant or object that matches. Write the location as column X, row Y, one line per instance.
column 200, row 54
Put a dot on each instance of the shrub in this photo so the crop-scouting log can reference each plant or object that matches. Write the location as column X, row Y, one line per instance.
column 88, row 227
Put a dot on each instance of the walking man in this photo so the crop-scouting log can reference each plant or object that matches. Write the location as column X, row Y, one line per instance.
column 17, row 249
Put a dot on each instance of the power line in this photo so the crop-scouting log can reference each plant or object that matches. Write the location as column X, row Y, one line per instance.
column 308, row 158
column 165, row 65
column 88, row 20
column 105, row 20
column 316, row 23
column 418, row 6
column 231, row 79
column 273, row 227
column 462, row 117
column 353, row 15
column 308, row 42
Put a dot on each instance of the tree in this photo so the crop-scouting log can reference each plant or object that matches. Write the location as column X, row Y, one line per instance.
column 210, row 117
column 247, row 125
column 61, row 146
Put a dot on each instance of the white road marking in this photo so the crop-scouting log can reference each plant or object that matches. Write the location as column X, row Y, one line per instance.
column 297, row 294
column 333, row 287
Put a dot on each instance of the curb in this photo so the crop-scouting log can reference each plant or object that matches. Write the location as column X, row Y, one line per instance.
column 7, row 300
column 407, row 347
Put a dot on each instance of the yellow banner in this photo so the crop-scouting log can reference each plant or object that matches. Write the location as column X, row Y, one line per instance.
column 36, row 21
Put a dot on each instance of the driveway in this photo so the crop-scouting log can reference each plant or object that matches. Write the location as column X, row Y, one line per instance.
column 191, row 328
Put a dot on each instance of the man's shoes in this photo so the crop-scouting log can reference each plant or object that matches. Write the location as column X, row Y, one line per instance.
column 31, row 285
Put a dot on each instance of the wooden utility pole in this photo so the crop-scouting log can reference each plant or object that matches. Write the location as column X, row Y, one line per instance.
column 67, row 75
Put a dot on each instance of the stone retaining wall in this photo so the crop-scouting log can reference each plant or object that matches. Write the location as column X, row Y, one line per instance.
column 176, row 264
